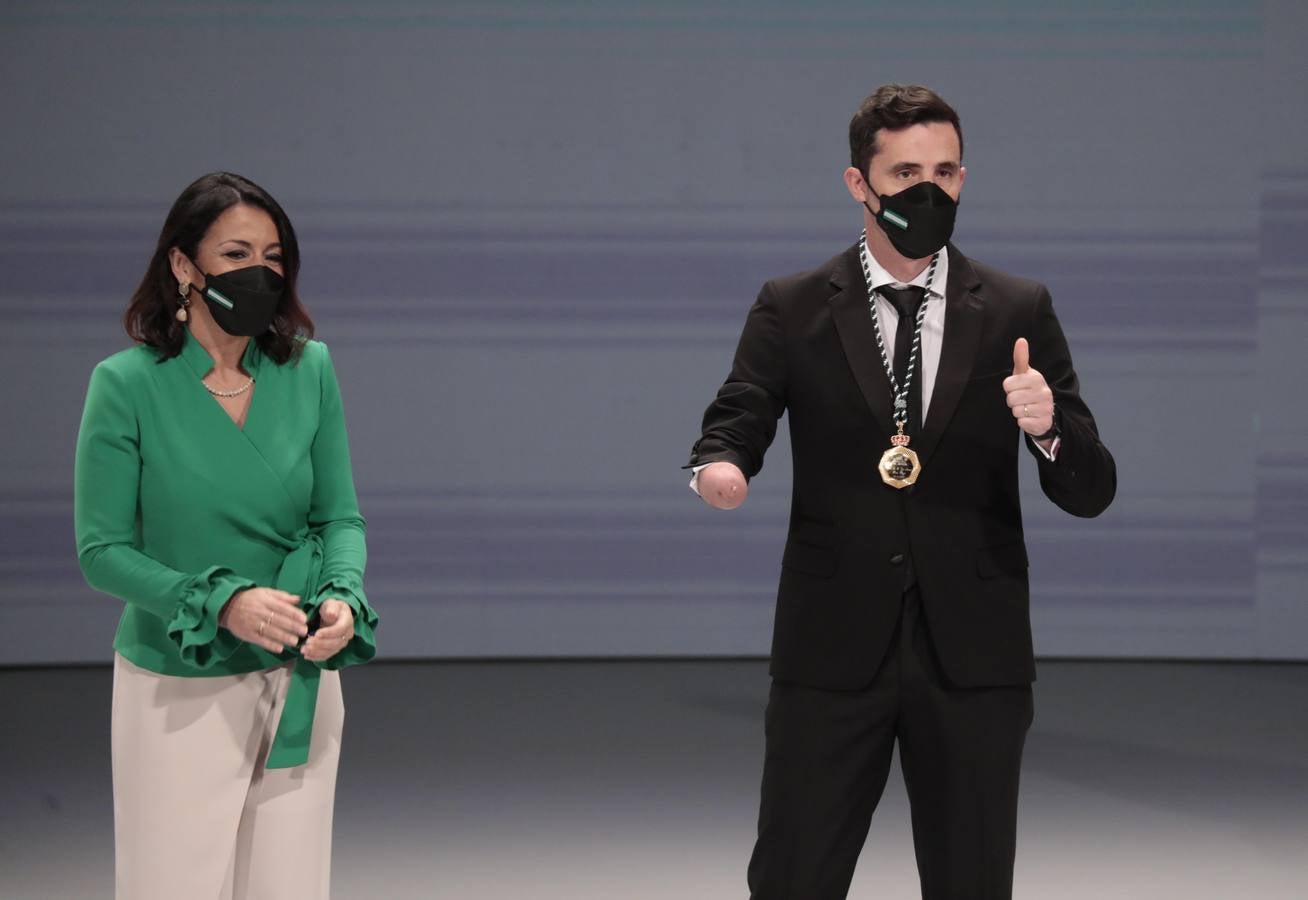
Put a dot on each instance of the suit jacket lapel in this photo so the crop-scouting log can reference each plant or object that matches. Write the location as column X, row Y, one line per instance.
column 853, row 319
column 963, row 320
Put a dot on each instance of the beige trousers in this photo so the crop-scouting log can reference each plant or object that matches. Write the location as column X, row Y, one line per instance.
column 196, row 815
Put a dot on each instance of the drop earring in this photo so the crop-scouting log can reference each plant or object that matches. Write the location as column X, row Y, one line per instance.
column 183, row 301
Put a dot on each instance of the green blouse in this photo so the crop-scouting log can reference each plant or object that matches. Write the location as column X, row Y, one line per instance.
column 176, row 509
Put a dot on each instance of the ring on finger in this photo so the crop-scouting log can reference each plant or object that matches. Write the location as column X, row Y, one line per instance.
column 1026, row 410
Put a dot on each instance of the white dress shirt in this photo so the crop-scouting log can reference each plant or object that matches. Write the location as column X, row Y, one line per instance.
column 933, row 323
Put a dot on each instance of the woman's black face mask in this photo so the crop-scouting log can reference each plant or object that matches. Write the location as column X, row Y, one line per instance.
column 243, row 301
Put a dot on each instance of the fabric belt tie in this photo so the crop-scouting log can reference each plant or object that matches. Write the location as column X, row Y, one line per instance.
column 299, row 575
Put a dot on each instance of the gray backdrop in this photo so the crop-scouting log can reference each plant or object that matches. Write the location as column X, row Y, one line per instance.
column 531, row 233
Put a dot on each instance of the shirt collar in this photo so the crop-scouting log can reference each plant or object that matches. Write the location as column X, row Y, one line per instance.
column 201, row 362
column 882, row 278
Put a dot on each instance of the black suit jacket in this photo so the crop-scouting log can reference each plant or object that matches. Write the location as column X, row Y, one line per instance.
column 808, row 347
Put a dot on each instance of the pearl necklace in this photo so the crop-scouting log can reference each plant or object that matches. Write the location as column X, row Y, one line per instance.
column 227, row 395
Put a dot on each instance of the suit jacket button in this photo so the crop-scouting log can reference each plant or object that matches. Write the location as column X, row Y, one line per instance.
column 896, row 559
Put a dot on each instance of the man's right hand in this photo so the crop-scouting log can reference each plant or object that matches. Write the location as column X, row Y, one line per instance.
column 722, row 485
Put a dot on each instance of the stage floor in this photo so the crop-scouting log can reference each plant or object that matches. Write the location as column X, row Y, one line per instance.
column 634, row 780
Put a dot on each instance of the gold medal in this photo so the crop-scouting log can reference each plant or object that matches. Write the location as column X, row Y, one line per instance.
column 899, row 466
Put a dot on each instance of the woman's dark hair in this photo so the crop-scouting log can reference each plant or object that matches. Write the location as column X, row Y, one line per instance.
column 151, row 316
column 895, row 106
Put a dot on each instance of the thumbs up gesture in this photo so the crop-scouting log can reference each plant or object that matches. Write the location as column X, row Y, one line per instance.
column 1029, row 397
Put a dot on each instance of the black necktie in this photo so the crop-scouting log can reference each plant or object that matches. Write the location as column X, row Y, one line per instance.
column 906, row 301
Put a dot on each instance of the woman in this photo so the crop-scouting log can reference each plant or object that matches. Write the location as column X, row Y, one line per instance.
column 214, row 497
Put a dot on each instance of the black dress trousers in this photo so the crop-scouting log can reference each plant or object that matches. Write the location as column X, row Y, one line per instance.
column 828, row 755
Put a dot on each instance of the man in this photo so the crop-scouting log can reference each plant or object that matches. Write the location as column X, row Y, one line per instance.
column 902, row 611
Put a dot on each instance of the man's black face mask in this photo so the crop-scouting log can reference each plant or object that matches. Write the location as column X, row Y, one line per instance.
column 918, row 220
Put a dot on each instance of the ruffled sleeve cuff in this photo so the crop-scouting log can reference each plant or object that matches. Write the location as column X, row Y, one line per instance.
column 363, row 646
column 194, row 626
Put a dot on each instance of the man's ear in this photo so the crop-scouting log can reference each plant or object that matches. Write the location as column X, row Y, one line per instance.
column 857, row 186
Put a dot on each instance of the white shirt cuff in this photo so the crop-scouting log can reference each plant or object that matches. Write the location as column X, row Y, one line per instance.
column 1052, row 453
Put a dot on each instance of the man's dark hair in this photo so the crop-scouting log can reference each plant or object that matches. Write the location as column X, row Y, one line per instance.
column 895, row 106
